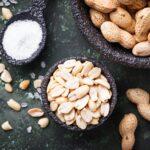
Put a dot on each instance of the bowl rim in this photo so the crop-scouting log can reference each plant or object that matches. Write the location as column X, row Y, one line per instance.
column 45, row 102
column 111, row 51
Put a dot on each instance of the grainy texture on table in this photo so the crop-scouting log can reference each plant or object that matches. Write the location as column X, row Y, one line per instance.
column 65, row 40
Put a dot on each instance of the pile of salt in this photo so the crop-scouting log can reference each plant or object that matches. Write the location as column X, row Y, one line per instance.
column 22, row 39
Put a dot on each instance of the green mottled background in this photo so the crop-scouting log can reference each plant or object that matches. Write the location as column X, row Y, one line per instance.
column 64, row 39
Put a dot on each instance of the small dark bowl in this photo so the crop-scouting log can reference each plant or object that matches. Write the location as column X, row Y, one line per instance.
column 34, row 13
column 46, row 103
column 112, row 51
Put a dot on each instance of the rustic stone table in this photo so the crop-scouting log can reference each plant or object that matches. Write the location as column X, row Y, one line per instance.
column 64, row 39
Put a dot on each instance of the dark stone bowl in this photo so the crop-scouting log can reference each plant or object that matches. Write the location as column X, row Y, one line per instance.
column 46, row 103
column 112, row 51
column 35, row 13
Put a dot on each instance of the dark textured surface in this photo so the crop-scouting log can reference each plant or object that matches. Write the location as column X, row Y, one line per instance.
column 65, row 40
column 105, row 72
column 34, row 13
column 109, row 50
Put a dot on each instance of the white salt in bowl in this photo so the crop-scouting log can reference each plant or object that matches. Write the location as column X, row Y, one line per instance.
column 23, row 38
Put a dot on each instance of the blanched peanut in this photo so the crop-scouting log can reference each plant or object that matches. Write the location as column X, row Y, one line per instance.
column 86, row 69
column 97, row 17
column 7, row 14
column 78, row 67
column 65, row 108
column 43, row 122
column 8, row 88
column 113, row 33
column 24, row 84
column 14, row 105
column 103, row 93
column 105, row 107
column 94, row 73
column 53, row 106
column 6, row 77
column 80, row 122
column 2, row 67
column 35, row 112
column 86, row 115
column 6, row 126
column 81, row 103
column 60, row 100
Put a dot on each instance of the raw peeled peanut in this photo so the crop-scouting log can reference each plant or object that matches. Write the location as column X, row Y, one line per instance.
column 121, row 17
column 93, row 94
column 70, row 116
column 65, row 108
column 104, row 6
column 8, row 88
column 94, row 121
column 113, row 33
column 53, row 106
column 6, row 126
column 78, row 67
column 81, row 103
column 87, row 67
column 37, row 83
column 87, row 81
column 60, row 116
column 2, row 67
column 14, row 105
column 80, row 122
column 57, row 91
column 43, row 122
column 142, row 99
column 7, row 14
column 103, row 93
column 69, row 63
column 60, row 100
column 127, row 128
column 6, row 77
column 105, row 107
column 102, row 82
column 142, row 26
column 72, row 84
column 86, row 115
column 81, row 91
column 94, row 73
column 35, row 112
column 142, row 49
column 97, row 17
column 24, row 84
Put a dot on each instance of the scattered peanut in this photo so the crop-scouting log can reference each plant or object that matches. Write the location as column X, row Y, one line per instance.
column 142, row 99
column 24, row 84
column 37, row 83
column 14, row 105
column 127, row 128
column 35, row 112
column 6, row 77
column 8, row 88
column 7, row 14
column 43, row 122
column 6, row 126
column 2, row 67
